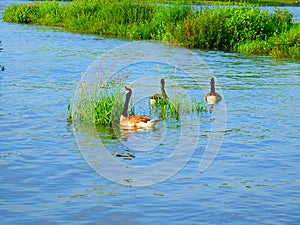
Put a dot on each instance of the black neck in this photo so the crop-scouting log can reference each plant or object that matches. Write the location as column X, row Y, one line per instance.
column 162, row 86
column 212, row 85
column 125, row 109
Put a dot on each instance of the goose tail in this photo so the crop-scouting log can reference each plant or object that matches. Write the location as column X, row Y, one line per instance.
column 152, row 122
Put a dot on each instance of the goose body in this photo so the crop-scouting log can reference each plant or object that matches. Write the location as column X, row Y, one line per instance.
column 212, row 97
column 134, row 121
column 137, row 121
column 156, row 97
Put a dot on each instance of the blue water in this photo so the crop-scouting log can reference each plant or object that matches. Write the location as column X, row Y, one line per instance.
column 255, row 178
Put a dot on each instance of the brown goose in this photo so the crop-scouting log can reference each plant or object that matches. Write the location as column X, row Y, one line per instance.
column 134, row 121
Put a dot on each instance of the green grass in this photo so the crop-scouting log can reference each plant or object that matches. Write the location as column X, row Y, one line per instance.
column 213, row 28
column 252, row 2
column 168, row 109
column 249, row 2
column 284, row 45
column 103, row 105
column 165, row 109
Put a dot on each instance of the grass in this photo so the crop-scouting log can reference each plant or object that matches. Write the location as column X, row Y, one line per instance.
column 227, row 2
column 284, row 45
column 252, row 2
column 103, row 105
column 172, row 109
column 166, row 109
column 226, row 28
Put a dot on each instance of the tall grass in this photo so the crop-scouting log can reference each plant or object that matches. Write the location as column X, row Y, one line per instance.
column 103, row 105
column 236, row 2
column 284, row 45
column 219, row 28
column 178, row 104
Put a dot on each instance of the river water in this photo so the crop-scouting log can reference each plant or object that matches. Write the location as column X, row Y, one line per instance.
column 46, row 177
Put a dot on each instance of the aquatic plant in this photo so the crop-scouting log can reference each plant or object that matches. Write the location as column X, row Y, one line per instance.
column 232, row 2
column 101, row 106
column 224, row 27
column 171, row 109
column 219, row 28
column 284, row 45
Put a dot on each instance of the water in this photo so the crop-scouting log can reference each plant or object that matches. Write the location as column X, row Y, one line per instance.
column 44, row 178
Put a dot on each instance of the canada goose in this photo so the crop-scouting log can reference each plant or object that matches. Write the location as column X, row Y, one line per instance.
column 134, row 121
column 212, row 97
column 163, row 95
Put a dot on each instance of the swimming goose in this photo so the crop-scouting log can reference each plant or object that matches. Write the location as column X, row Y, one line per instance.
column 134, row 121
column 163, row 95
column 212, row 97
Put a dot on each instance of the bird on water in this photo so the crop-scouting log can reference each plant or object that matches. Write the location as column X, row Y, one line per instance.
column 212, row 97
column 163, row 96
column 134, row 121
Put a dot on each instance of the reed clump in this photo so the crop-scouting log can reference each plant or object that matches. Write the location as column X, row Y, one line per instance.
column 99, row 106
column 102, row 106
column 217, row 27
column 167, row 109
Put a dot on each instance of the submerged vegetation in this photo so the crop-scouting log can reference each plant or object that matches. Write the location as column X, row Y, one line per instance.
column 246, row 29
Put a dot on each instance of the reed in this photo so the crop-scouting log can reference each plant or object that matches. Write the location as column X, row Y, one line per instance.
column 102, row 106
column 218, row 28
column 167, row 109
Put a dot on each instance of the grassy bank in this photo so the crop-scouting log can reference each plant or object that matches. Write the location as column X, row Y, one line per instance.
column 240, row 28
column 232, row 2
column 284, row 45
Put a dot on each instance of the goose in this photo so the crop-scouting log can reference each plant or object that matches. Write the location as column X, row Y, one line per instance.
column 163, row 95
column 134, row 121
column 212, row 97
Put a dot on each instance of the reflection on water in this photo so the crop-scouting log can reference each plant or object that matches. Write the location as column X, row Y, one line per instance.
column 156, row 154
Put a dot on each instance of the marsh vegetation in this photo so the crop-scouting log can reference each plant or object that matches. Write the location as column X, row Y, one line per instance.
column 102, row 106
column 246, row 29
